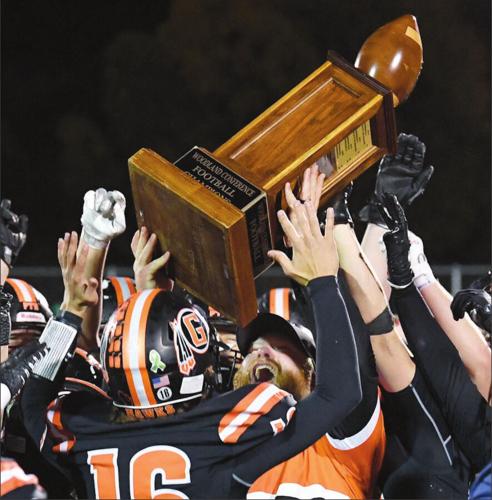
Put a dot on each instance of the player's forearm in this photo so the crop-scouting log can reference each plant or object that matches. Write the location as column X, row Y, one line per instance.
column 393, row 363
column 91, row 320
column 336, row 355
column 363, row 285
column 375, row 254
column 465, row 336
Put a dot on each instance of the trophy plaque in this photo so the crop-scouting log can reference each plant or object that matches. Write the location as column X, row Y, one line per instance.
column 216, row 211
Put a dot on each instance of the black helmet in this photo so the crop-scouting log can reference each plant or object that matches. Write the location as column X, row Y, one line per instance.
column 156, row 350
column 29, row 307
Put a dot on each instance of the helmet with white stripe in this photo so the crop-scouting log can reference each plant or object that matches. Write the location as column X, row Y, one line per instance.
column 115, row 290
column 29, row 308
column 157, row 352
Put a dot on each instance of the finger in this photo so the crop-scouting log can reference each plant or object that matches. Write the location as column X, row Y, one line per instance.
column 386, row 217
column 159, row 263
column 282, row 260
column 79, row 265
column 312, row 218
column 306, row 185
column 287, row 227
column 72, row 248
column 142, row 240
column 119, row 198
column 145, row 255
column 401, row 145
column 90, row 199
column 66, row 241
column 409, row 150
column 302, row 227
column 420, row 182
column 318, row 190
column 134, row 243
column 23, row 224
column 60, row 249
column 91, row 295
column 289, row 196
column 100, row 196
column 313, row 182
column 419, row 154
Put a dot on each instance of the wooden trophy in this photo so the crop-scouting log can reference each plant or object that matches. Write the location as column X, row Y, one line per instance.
column 216, row 212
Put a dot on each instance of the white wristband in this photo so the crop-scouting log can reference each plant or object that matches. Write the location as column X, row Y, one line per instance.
column 58, row 337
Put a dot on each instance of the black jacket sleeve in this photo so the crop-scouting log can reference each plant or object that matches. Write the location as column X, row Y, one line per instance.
column 336, row 393
column 464, row 409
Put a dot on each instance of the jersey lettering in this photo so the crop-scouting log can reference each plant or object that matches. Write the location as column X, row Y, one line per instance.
column 168, row 464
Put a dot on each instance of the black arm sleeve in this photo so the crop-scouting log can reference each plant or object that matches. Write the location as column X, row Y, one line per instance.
column 336, row 393
column 466, row 412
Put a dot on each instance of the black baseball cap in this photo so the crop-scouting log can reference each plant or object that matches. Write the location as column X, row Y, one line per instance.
column 272, row 323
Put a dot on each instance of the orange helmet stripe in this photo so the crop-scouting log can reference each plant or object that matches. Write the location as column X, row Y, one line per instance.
column 23, row 290
column 279, row 302
column 134, row 336
column 123, row 286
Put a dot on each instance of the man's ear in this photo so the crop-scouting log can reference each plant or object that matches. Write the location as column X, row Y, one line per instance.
column 310, row 373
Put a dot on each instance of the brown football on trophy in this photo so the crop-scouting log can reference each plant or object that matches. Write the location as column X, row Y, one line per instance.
column 393, row 55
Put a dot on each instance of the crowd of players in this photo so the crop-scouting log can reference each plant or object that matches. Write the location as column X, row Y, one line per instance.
column 364, row 379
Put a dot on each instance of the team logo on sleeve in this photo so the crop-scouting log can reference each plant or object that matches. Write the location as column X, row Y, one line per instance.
column 190, row 335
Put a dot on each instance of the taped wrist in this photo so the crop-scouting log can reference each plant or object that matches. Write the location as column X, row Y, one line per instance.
column 59, row 336
column 93, row 241
column 381, row 324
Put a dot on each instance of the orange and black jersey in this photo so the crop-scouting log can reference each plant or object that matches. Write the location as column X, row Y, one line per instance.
column 237, row 436
column 177, row 454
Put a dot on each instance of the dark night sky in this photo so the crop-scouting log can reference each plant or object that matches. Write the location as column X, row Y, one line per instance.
column 87, row 83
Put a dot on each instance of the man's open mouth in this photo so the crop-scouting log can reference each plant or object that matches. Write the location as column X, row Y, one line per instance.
column 263, row 373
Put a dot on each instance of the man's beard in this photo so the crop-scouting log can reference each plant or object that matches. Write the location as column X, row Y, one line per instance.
column 295, row 383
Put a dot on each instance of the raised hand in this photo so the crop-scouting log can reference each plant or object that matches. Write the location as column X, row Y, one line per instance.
column 397, row 241
column 476, row 303
column 103, row 217
column 13, row 233
column 80, row 292
column 403, row 175
column 148, row 273
column 314, row 254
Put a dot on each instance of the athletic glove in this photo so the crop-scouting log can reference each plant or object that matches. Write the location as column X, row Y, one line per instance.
column 13, row 233
column 18, row 367
column 5, row 301
column 403, row 175
column 476, row 303
column 483, row 283
column 340, row 206
column 421, row 269
column 103, row 217
column 396, row 240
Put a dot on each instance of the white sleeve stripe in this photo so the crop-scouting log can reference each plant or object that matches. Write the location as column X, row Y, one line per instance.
column 360, row 437
column 58, row 337
column 254, row 407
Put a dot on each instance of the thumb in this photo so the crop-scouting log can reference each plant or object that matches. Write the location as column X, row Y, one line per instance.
column 420, row 182
column 282, row 260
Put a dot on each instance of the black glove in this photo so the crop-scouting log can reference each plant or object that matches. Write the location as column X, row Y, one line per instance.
column 13, row 232
column 482, row 283
column 339, row 203
column 18, row 367
column 396, row 240
column 476, row 303
column 5, row 301
column 403, row 175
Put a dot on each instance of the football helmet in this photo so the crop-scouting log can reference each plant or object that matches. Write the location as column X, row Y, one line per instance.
column 157, row 351
column 115, row 290
column 288, row 303
column 29, row 308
